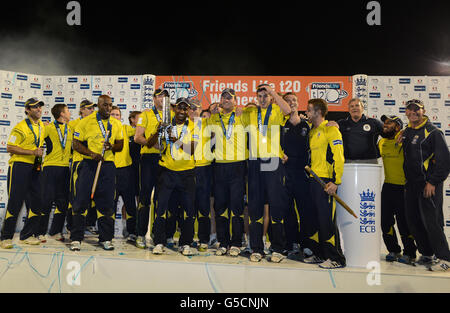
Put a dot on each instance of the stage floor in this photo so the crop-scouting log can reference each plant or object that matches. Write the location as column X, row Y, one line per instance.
column 52, row 267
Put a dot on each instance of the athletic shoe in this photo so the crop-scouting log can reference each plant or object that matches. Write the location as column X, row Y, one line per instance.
column 276, row 257
column 92, row 229
column 131, row 238
column 392, row 256
column 427, row 260
column 58, row 237
column 31, row 241
column 312, row 260
column 75, row 246
column 234, row 251
column 159, row 249
column 221, row 251
column 140, row 242
column 329, row 264
column 107, row 245
column 406, row 259
column 203, row 247
column 187, row 250
column 440, row 265
column 6, row 244
column 42, row 238
column 255, row 257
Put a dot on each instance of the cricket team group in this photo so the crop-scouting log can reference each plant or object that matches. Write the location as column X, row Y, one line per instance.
column 233, row 173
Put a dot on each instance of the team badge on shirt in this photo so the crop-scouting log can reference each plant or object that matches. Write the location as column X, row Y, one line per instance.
column 366, row 127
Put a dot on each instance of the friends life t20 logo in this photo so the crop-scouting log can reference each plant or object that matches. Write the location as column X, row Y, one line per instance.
column 367, row 212
column 332, row 93
column 180, row 90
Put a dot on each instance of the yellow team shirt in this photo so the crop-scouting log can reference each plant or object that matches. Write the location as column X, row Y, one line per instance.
column 203, row 155
column 175, row 159
column 21, row 136
column 150, row 122
column 88, row 131
column 393, row 158
column 264, row 146
column 123, row 158
column 57, row 155
column 327, row 152
column 235, row 148
column 76, row 156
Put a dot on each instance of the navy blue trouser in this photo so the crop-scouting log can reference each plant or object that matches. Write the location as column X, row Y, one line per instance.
column 267, row 185
column 300, row 210
column 392, row 209
column 426, row 221
column 327, row 230
column 103, row 197
column 229, row 179
column 169, row 182
column 203, row 179
column 149, row 172
column 23, row 185
column 125, row 189
column 55, row 189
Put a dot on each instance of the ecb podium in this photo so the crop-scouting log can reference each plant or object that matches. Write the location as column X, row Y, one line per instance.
column 361, row 191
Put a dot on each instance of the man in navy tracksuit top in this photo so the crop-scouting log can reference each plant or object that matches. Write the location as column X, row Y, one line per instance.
column 426, row 166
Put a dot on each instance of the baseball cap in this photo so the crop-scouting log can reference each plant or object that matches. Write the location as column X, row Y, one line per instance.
column 33, row 102
column 183, row 100
column 229, row 91
column 160, row 91
column 393, row 118
column 87, row 104
column 416, row 102
column 195, row 103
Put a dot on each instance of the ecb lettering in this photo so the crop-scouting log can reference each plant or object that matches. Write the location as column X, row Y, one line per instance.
column 366, row 229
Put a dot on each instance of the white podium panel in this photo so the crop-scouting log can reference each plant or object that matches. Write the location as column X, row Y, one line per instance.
column 361, row 191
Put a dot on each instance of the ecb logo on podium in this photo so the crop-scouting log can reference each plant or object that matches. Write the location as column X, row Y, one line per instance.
column 367, row 212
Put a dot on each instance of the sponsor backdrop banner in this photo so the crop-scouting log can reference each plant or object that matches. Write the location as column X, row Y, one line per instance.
column 336, row 90
column 380, row 95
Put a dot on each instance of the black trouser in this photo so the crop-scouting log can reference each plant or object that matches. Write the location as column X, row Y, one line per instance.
column 203, row 178
column 168, row 182
column 229, row 181
column 125, row 189
column 23, row 185
column 55, row 189
column 174, row 214
column 72, row 192
column 297, row 183
column 103, row 197
column 268, row 185
column 328, row 233
column 392, row 210
column 426, row 221
column 149, row 172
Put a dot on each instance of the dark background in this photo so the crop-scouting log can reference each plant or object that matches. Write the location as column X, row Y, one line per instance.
column 226, row 38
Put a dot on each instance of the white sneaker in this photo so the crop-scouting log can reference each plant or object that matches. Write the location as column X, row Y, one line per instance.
column 329, row 264
column 42, row 238
column 440, row 265
column 234, row 251
column 140, row 242
column 75, row 246
column 221, row 251
column 107, row 245
column 276, row 257
column 255, row 257
column 6, row 244
column 131, row 238
column 158, row 249
column 187, row 250
column 31, row 241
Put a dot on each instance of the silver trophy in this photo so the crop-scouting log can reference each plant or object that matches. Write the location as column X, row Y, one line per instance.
column 165, row 123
